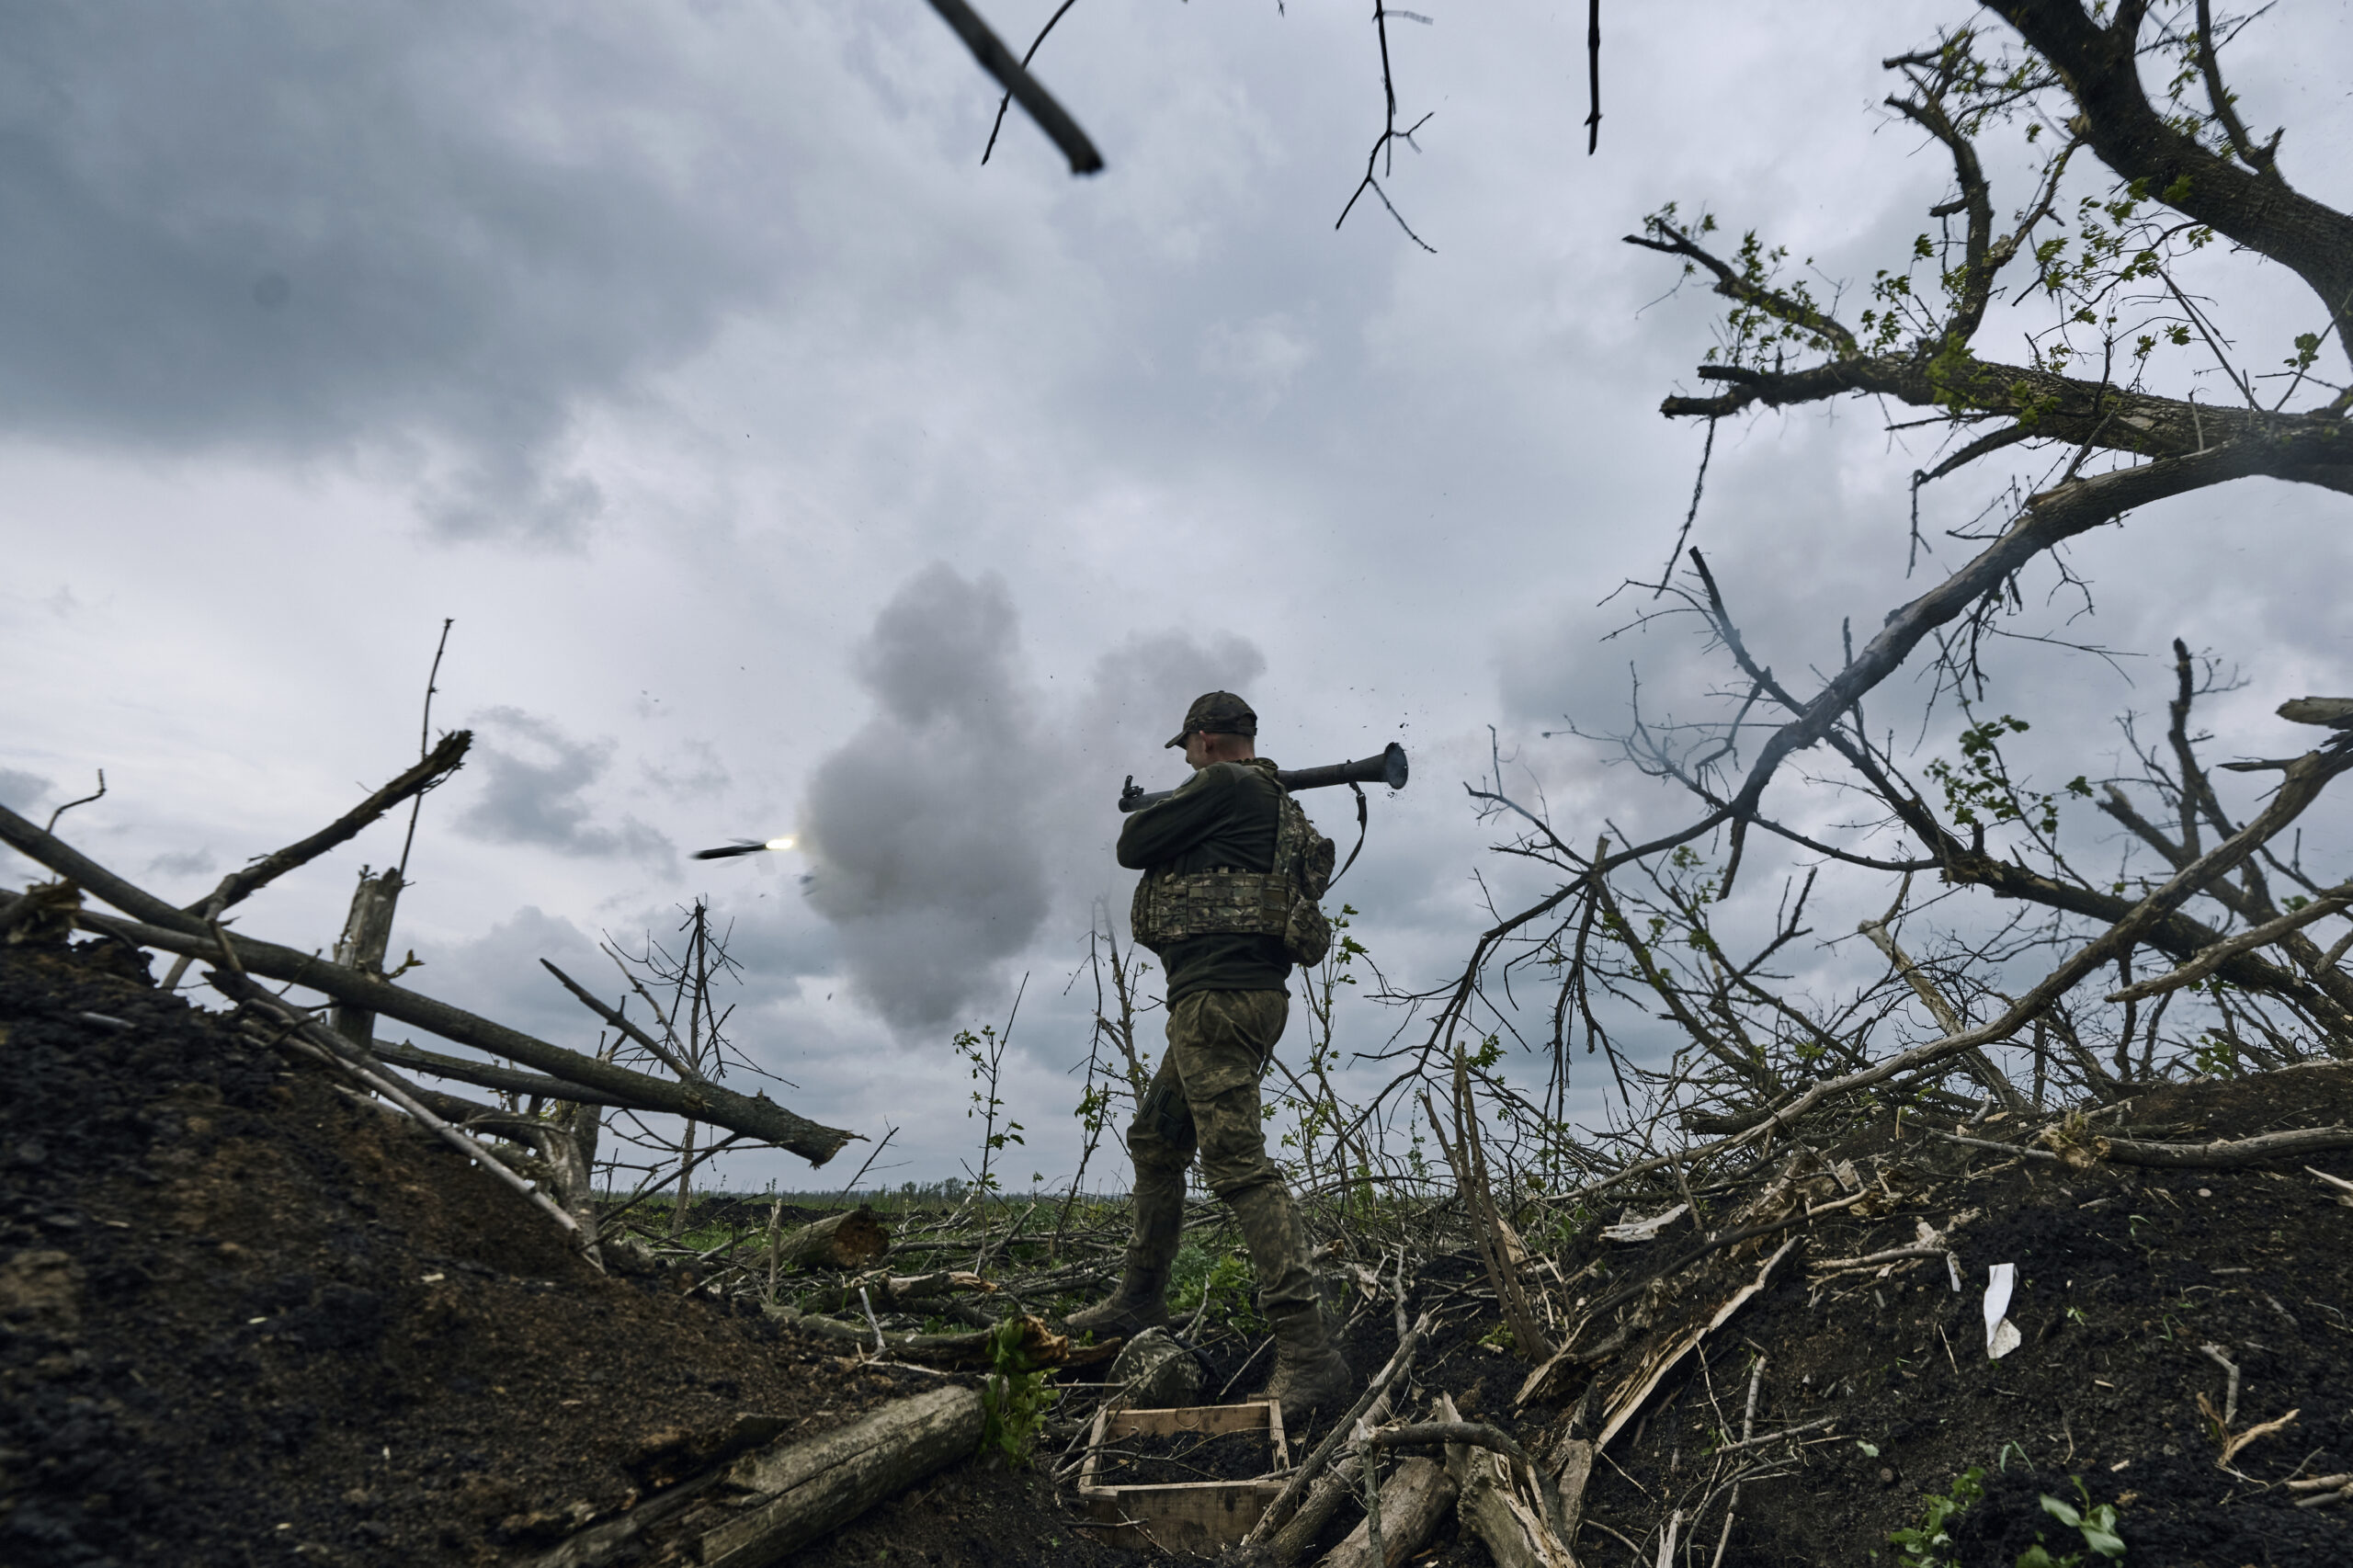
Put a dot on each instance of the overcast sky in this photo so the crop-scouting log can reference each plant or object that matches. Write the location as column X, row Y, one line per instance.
column 785, row 470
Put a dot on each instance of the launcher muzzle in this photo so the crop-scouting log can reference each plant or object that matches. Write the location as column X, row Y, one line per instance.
column 1388, row 769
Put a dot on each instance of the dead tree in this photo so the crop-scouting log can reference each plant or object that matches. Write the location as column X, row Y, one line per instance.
column 2126, row 187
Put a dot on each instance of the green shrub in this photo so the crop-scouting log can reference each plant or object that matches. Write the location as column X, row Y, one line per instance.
column 1922, row 1543
column 2096, row 1522
column 1014, row 1398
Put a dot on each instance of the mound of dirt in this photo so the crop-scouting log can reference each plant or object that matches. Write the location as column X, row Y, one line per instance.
column 245, row 1317
column 2134, row 1286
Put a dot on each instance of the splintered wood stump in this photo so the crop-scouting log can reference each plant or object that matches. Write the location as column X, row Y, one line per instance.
column 821, row 1483
column 367, row 933
column 846, row 1239
column 1330, row 1493
column 1571, row 1468
column 1412, row 1501
column 1492, row 1507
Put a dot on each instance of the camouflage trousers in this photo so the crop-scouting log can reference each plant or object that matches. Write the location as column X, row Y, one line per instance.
column 1204, row 1101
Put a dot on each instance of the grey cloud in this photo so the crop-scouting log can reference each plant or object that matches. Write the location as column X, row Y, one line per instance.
column 184, row 863
column 21, row 791
column 1135, row 700
column 1262, row 356
column 1142, row 687
column 702, row 773
column 497, row 974
column 261, row 225
column 534, row 794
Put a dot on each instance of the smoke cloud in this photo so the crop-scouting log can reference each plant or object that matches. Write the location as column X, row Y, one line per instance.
column 969, row 812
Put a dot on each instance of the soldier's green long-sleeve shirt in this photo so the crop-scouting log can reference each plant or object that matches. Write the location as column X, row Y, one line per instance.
column 1222, row 816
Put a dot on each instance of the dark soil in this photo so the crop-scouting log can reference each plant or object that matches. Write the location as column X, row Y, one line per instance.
column 245, row 1319
column 1174, row 1457
column 2124, row 1274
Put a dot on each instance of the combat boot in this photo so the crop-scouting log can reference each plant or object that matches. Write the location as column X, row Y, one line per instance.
column 1142, row 1299
column 1311, row 1375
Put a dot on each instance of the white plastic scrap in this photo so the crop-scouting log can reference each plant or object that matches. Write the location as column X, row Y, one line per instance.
column 1644, row 1230
column 2002, row 1336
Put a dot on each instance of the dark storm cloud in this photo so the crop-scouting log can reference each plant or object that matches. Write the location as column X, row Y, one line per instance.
column 534, row 777
column 424, row 232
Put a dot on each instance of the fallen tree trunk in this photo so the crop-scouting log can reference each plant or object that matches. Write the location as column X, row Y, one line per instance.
column 1039, row 1345
column 820, row 1483
column 1414, row 1501
column 1331, row 1491
column 155, row 924
column 490, row 1076
column 838, row 1241
column 897, row 1293
column 754, row 1116
column 2221, row 1155
column 1453, row 1432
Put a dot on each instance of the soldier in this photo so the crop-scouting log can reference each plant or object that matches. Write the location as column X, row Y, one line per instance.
column 1223, row 859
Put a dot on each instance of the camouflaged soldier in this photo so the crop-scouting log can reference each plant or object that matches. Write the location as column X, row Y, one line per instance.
column 1233, row 868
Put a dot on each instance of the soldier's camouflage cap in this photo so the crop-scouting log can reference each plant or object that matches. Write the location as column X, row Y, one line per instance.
column 1217, row 713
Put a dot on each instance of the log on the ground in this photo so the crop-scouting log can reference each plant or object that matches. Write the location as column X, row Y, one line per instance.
column 820, row 1483
column 2224, row 1154
column 886, row 1291
column 838, row 1241
column 1413, row 1501
column 1334, row 1490
column 1295, row 1489
column 1331, row 1493
column 1041, row 1346
column 1492, row 1507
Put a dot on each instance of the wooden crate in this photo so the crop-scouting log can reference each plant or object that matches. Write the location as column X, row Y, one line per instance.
column 1201, row 1516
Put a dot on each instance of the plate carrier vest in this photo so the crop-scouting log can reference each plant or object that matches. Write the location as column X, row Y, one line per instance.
column 1170, row 906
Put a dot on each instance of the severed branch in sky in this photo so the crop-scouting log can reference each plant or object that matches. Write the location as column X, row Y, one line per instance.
column 1018, row 85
